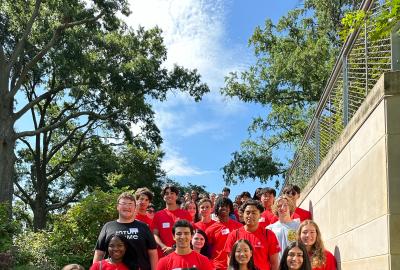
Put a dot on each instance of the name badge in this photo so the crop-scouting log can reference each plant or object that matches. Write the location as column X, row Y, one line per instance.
column 165, row 225
column 225, row 231
column 261, row 219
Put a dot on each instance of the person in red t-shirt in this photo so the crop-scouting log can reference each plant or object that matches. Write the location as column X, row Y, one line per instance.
column 310, row 235
column 218, row 232
column 267, row 198
column 166, row 218
column 184, row 257
column 293, row 192
column 205, row 215
column 264, row 242
column 118, row 250
column 143, row 198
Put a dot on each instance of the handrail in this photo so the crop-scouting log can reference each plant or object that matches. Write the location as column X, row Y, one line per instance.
column 344, row 68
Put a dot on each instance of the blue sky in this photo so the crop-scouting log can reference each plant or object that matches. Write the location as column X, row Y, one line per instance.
column 212, row 36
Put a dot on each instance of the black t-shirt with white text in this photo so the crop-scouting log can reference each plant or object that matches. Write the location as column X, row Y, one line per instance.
column 139, row 237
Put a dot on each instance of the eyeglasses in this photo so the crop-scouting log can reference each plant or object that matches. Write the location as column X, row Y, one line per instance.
column 126, row 204
column 290, row 193
column 150, row 211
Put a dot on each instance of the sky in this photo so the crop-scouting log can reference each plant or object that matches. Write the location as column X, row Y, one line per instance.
column 211, row 36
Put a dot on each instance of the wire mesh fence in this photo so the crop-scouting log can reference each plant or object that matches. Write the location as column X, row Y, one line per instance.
column 361, row 62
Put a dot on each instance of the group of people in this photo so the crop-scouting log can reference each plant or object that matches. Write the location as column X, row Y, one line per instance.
column 203, row 232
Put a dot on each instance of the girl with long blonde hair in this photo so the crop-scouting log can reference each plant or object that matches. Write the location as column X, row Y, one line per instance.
column 310, row 235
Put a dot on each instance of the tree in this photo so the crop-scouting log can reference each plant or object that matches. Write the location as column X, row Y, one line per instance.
column 77, row 60
column 383, row 23
column 294, row 60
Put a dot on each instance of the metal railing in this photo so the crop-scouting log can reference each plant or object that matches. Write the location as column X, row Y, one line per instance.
column 360, row 64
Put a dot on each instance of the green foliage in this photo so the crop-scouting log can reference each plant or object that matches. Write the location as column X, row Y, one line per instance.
column 7, row 228
column 73, row 236
column 294, row 60
column 383, row 23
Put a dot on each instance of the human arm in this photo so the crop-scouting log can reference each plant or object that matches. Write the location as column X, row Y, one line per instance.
column 274, row 261
column 153, row 256
column 98, row 255
column 166, row 249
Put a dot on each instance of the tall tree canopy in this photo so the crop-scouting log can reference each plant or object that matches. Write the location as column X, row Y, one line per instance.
column 80, row 73
column 294, row 60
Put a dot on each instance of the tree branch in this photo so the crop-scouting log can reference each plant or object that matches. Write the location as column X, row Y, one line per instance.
column 58, row 146
column 62, row 122
column 21, row 42
column 46, row 48
column 67, row 200
column 26, row 198
column 28, row 145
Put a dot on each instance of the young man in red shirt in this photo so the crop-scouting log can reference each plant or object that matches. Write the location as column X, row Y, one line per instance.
column 219, row 231
column 267, row 198
column 184, row 257
column 264, row 242
column 293, row 192
column 143, row 198
column 205, row 209
column 164, row 220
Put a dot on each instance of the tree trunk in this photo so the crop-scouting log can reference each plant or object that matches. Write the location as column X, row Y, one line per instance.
column 7, row 144
column 39, row 215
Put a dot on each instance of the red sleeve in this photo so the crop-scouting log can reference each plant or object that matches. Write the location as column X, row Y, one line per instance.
column 155, row 222
column 273, row 244
column 162, row 264
column 330, row 261
column 230, row 241
column 95, row 266
column 207, row 264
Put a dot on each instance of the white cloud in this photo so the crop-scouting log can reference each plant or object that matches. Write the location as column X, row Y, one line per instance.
column 194, row 34
column 177, row 165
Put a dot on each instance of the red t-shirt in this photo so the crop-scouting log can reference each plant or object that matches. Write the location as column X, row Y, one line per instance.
column 188, row 261
column 163, row 221
column 144, row 218
column 303, row 214
column 264, row 244
column 106, row 265
column 217, row 234
column 266, row 218
column 203, row 226
column 330, row 263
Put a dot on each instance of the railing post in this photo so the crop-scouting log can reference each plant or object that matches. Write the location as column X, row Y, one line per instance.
column 366, row 56
column 317, row 143
column 395, row 47
column 345, row 92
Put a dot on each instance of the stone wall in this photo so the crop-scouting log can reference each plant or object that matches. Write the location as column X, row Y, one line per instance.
column 355, row 194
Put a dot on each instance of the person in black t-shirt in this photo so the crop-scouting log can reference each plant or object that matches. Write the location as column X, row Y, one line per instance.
column 138, row 234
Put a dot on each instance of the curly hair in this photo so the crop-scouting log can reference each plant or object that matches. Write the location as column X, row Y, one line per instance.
column 292, row 206
column 317, row 254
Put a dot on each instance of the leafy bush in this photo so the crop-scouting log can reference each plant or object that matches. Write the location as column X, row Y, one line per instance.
column 74, row 234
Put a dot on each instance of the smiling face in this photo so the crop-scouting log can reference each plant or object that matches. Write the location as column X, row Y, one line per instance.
column 294, row 259
column 126, row 209
column 170, row 197
column 191, row 208
column 243, row 253
column 143, row 202
column 182, row 237
column 308, row 235
column 251, row 215
column 283, row 208
column 116, row 249
column 198, row 242
column 205, row 209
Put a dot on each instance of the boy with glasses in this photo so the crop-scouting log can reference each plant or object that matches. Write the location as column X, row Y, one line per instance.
column 293, row 192
column 138, row 234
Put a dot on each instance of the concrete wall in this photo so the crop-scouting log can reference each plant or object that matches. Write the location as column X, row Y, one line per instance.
column 355, row 193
